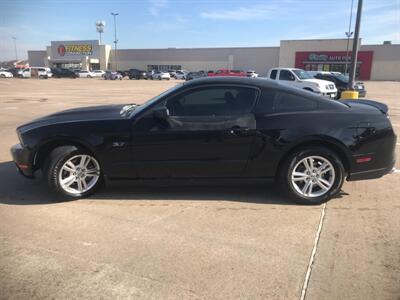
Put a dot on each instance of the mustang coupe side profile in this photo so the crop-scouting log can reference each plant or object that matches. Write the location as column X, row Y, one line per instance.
column 214, row 128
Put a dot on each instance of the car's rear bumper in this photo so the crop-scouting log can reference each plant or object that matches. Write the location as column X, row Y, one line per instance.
column 22, row 159
column 371, row 174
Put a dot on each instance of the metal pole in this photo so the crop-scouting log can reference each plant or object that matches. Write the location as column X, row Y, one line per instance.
column 115, row 40
column 15, row 47
column 354, row 54
column 349, row 34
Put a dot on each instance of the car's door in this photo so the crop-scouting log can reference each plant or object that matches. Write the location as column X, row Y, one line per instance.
column 208, row 133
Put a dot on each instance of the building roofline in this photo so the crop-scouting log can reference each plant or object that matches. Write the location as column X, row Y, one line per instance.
column 316, row 40
column 201, row 48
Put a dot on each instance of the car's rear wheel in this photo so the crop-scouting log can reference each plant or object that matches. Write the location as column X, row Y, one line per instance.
column 3, row 76
column 313, row 175
column 73, row 172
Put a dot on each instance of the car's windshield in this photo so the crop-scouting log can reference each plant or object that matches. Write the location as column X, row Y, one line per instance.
column 130, row 110
column 302, row 74
column 342, row 77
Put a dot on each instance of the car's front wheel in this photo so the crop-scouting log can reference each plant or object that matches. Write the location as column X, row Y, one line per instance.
column 73, row 172
column 313, row 175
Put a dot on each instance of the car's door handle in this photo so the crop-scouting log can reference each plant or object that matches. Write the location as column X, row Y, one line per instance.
column 238, row 129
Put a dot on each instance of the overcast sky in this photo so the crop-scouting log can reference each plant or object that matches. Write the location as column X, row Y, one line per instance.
column 190, row 23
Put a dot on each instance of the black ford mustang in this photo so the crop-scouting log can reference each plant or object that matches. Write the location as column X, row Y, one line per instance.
column 214, row 128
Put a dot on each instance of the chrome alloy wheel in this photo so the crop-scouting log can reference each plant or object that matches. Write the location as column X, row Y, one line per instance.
column 313, row 176
column 79, row 174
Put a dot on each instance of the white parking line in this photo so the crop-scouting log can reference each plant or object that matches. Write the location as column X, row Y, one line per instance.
column 314, row 250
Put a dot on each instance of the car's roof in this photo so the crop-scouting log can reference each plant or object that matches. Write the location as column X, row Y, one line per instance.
column 277, row 68
column 261, row 82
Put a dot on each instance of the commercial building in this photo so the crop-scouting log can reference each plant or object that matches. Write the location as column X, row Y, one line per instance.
column 375, row 62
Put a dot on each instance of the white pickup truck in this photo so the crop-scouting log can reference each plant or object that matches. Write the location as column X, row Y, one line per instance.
column 303, row 80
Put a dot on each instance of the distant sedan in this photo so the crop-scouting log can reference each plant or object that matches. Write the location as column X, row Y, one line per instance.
column 98, row 73
column 214, row 128
column 111, row 75
column 5, row 74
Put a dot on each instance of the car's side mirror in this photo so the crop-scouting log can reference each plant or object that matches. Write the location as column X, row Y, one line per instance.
column 161, row 113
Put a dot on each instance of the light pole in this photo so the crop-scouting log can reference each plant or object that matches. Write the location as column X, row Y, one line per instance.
column 15, row 47
column 349, row 35
column 100, row 28
column 115, row 40
column 354, row 53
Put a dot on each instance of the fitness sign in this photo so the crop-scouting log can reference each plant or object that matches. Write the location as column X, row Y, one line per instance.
column 75, row 49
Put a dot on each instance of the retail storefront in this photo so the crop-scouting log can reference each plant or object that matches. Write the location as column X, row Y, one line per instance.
column 335, row 61
column 375, row 62
column 75, row 54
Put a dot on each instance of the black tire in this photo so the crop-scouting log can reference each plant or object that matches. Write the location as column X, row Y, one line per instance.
column 286, row 169
column 53, row 165
column 3, row 76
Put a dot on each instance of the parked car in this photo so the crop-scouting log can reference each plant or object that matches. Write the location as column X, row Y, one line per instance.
column 181, row 75
column 5, row 74
column 85, row 74
column 63, row 73
column 227, row 72
column 252, row 74
column 112, row 75
column 160, row 75
column 172, row 73
column 214, row 128
column 195, row 75
column 124, row 73
column 302, row 79
column 137, row 74
column 98, row 73
column 341, row 81
column 16, row 72
column 40, row 72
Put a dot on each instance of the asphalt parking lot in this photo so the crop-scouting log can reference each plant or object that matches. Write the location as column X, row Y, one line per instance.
column 200, row 241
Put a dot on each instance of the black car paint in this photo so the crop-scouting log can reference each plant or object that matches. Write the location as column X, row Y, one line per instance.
column 63, row 73
column 255, row 149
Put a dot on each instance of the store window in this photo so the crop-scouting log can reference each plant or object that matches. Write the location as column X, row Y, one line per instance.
column 163, row 67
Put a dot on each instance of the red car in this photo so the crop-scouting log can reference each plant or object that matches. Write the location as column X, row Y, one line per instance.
column 226, row 72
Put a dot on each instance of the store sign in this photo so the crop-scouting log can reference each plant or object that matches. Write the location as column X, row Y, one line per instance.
column 328, row 60
column 74, row 49
column 326, row 57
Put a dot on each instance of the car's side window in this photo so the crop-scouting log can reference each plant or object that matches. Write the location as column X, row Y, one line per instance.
column 213, row 101
column 207, row 108
column 286, row 102
column 286, row 75
column 273, row 74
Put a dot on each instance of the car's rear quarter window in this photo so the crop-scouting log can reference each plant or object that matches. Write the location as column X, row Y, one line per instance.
column 272, row 101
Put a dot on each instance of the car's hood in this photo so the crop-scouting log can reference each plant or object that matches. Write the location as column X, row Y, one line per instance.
column 104, row 112
column 319, row 81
